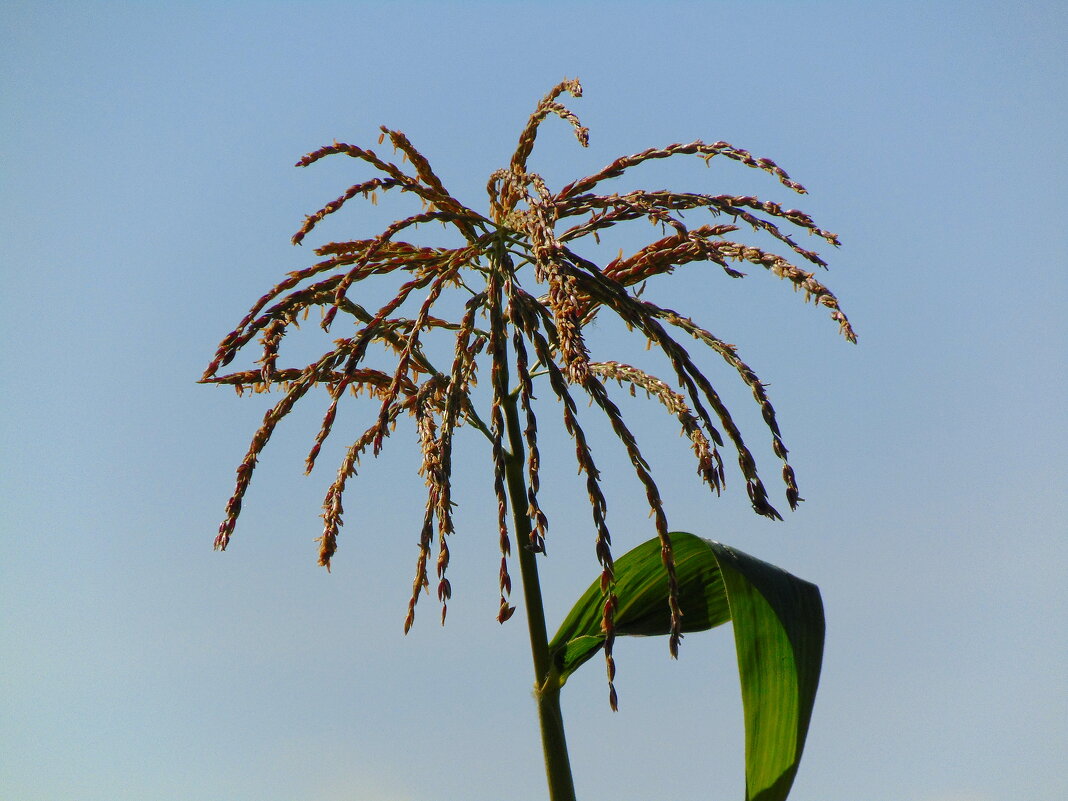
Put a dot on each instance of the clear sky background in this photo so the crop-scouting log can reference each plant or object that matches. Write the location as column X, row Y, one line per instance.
column 148, row 196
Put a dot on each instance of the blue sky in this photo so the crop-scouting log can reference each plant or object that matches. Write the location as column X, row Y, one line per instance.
column 147, row 198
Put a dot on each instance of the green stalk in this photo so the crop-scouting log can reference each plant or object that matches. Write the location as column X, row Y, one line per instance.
column 546, row 686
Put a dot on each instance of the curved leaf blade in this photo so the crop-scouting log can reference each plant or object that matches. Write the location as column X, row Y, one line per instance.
column 641, row 585
column 778, row 635
column 778, row 632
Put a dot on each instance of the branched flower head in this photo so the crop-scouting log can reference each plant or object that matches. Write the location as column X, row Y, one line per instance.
column 522, row 330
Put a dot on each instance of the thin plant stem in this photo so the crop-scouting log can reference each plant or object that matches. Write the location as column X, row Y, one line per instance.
column 546, row 685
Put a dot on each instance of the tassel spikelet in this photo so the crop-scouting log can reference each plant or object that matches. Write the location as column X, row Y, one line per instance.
column 525, row 239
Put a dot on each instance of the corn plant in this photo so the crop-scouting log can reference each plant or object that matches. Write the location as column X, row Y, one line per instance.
column 528, row 299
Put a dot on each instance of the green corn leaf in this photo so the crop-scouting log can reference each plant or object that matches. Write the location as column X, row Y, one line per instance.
column 778, row 635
